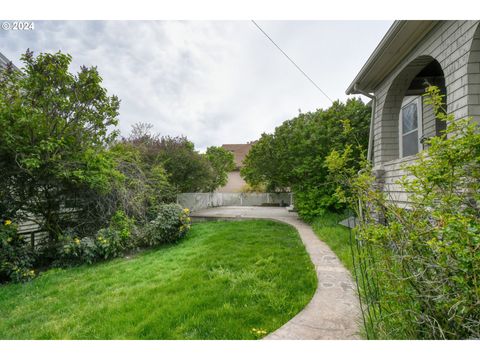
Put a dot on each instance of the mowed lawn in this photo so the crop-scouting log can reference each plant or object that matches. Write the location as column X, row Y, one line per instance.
column 225, row 280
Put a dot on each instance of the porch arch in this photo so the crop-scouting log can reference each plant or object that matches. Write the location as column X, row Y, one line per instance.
column 411, row 80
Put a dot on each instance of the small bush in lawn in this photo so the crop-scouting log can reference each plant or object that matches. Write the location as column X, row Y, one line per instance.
column 15, row 257
column 76, row 251
column 123, row 225
column 108, row 243
column 170, row 225
column 115, row 240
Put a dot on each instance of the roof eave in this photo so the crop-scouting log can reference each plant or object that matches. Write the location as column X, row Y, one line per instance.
column 4, row 61
column 415, row 30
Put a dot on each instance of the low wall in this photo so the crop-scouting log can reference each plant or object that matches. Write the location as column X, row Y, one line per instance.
column 199, row 201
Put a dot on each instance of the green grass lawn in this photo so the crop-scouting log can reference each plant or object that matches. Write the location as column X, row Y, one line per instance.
column 336, row 236
column 220, row 282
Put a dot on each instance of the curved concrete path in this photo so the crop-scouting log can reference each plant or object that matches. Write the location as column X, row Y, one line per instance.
column 334, row 311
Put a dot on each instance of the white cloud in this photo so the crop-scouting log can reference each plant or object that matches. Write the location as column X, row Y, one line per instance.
column 215, row 82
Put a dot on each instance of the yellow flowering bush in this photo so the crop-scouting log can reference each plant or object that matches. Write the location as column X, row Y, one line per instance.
column 75, row 251
column 185, row 222
column 115, row 240
column 110, row 242
column 170, row 225
column 15, row 256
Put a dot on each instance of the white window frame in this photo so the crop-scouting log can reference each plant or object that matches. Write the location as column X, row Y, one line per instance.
column 407, row 100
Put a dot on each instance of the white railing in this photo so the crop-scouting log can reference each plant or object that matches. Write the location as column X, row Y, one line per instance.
column 198, row 201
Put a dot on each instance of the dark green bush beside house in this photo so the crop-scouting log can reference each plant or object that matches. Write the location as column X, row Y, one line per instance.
column 293, row 156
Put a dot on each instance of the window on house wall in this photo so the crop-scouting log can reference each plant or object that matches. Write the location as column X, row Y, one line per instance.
column 410, row 126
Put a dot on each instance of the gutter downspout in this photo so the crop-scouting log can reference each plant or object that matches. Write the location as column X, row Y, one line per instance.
column 372, row 118
column 370, row 136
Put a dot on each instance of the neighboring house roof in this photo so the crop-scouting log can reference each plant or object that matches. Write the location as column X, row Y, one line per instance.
column 239, row 151
column 399, row 40
column 4, row 61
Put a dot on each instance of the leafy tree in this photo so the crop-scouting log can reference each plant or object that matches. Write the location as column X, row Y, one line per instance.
column 261, row 165
column 222, row 162
column 55, row 130
column 293, row 157
column 187, row 170
column 145, row 185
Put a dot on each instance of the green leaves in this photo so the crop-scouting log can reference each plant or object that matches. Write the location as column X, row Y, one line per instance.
column 55, row 130
column 170, row 225
column 222, row 162
column 296, row 156
column 15, row 255
column 419, row 266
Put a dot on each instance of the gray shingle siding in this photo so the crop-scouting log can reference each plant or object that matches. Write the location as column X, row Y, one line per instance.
column 456, row 46
column 429, row 121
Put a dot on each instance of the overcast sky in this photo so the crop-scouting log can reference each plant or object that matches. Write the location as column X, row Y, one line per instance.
column 214, row 82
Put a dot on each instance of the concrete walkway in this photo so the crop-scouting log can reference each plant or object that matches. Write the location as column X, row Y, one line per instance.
column 334, row 311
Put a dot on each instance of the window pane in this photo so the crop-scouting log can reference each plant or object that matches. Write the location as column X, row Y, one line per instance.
column 410, row 143
column 409, row 118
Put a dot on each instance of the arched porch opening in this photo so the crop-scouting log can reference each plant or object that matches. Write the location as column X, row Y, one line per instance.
column 406, row 120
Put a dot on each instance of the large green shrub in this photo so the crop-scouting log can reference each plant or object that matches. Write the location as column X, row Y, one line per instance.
column 121, row 236
column 222, row 162
column 15, row 256
column 63, row 168
column 171, row 224
column 110, row 242
column 293, row 157
column 145, row 183
column 75, row 251
column 118, row 238
column 55, row 128
column 187, row 170
column 418, row 268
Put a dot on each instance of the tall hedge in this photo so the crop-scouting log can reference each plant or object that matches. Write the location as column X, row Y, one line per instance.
column 293, row 157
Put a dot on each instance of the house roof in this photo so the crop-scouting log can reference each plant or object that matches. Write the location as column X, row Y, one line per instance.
column 399, row 40
column 239, row 151
column 3, row 60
